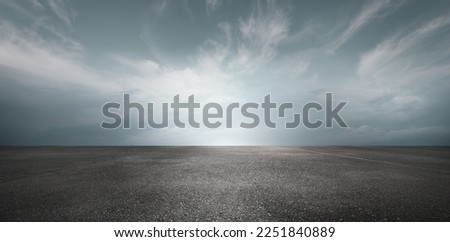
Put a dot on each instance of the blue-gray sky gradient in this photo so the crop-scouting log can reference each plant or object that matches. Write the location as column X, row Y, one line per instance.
column 60, row 61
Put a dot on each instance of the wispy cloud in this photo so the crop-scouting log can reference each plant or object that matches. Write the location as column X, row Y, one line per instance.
column 46, row 64
column 247, row 46
column 17, row 7
column 242, row 46
column 368, row 13
column 212, row 5
column 40, row 22
column 261, row 34
column 401, row 57
column 63, row 11
column 36, row 4
column 403, row 79
column 158, row 7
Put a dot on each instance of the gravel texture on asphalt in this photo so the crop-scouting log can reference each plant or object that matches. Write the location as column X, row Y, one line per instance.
column 225, row 184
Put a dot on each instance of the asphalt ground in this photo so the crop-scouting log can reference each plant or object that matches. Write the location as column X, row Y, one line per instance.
column 224, row 184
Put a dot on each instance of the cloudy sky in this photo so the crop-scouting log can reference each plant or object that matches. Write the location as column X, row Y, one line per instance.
column 60, row 61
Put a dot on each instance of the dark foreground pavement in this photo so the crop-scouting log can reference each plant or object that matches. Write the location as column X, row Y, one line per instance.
column 224, row 184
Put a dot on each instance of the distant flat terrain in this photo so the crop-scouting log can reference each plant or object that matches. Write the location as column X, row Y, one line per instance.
column 225, row 184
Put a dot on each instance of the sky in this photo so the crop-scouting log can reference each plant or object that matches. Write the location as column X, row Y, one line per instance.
column 61, row 61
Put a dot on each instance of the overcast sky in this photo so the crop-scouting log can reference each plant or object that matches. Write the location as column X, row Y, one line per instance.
column 60, row 61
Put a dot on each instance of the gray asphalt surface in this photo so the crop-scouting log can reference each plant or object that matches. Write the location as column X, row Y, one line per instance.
column 224, row 184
